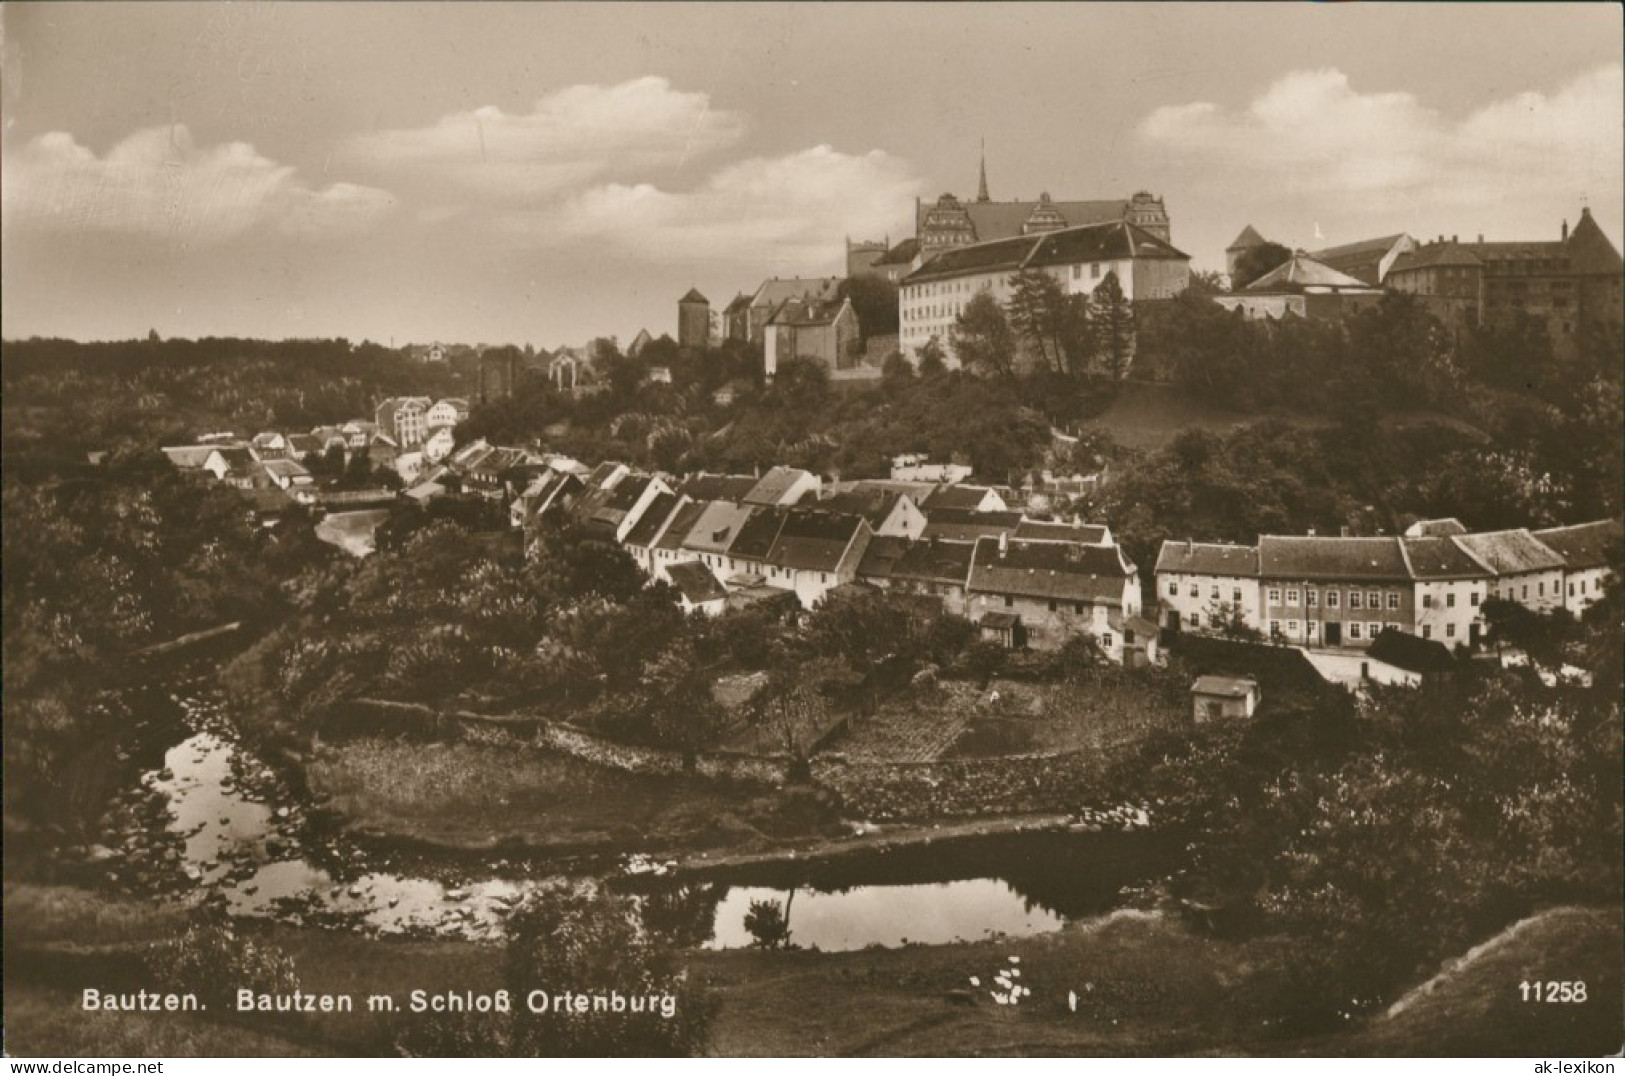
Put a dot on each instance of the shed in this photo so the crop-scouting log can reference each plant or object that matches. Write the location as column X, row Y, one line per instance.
column 1215, row 697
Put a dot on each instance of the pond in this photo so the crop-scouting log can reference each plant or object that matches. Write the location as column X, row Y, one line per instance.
column 235, row 835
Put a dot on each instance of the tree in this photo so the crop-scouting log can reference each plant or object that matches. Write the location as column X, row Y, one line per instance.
column 933, row 360
column 982, row 339
column 768, row 923
column 1256, row 261
column 1035, row 311
column 1113, row 316
column 874, row 301
column 677, row 694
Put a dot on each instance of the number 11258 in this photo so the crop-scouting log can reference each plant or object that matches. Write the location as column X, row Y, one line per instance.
column 1553, row 991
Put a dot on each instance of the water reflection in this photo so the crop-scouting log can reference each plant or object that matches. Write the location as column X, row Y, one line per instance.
column 887, row 915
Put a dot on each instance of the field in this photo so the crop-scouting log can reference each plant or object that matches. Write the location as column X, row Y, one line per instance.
column 958, row 720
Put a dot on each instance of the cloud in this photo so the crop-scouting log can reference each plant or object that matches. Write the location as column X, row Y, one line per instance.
column 786, row 210
column 569, row 138
column 159, row 183
column 1313, row 132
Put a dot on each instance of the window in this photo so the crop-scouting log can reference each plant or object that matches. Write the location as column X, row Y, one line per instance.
column 1354, row 599
column 1526, row 591
column 1214, row 592
column 1427, row 631
column 1077, row 607
column 1094, row 270
column 1077, row 272
column 1196, row 591
column 1008, row 601
column 1310, row 628
column 1052, row 605
column 1375, row 629
column 1292, row 597
column 1196, row 620
column 1173, row 589
column 1427, row 601
column 1450, row 600
column 1571, row 590
column 1450, row 630
column 1106, row 639
column 1311, row 598
column 1374, row 600
column 1354, row 629
column 1472, row 599
column 1275, row 597
column 1235, row 595
column 1275, row 627
column 1292, row 627
column 1331, row 599
column 1393, row 600
column 1542, row 590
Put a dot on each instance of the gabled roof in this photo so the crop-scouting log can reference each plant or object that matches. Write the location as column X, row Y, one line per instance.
column 814, row 540
column 1066, row 246
column 694, row 296
column 966, row 525
column 1050, row 570
column 188, row 456
column 758, row 533
column 1509, row 552
column 1305, row 558
column 237, row 458
column 1435, row 254
column 1361, row 248
column 901, row 254
column 696, row 582
column 1247, row 240
column 1228, row 687
column 774, row 292
column 682, row 521
column 717, row 527
column 952, row 497
column 1435, row 528
column 772, row 486
column 1437, row 557
column 284, row 468
column 1038, row 530
column 1000, row 220
column 737, row 303
column 1584, row 545
column 717, row 487
column 875, row 505
column 923, row 561
column 1301, row 273
column 808, row 314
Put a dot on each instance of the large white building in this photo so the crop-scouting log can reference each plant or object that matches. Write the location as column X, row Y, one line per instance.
column 1338, row 592
column 934, row 295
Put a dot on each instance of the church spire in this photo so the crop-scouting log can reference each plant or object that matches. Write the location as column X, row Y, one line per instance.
column 981, row 183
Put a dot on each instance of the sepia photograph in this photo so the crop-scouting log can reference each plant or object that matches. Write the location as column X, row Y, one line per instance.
column 792, row 529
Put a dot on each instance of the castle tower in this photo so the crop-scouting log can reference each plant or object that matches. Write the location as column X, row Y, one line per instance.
column 693, row 320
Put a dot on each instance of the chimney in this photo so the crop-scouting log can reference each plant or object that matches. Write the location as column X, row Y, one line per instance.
column 1190, row 546
column 1565, row 229
column 1345, row 530
column 1004, row 543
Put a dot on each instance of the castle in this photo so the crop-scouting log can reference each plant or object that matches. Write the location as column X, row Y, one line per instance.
column 948, row 223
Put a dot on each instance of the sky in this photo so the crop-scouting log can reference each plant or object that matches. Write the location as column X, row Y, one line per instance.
column 547, row 173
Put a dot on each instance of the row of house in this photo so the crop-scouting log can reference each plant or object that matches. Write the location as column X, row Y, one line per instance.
column 419, row 422
column 729, row 540
column 1342, row 592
